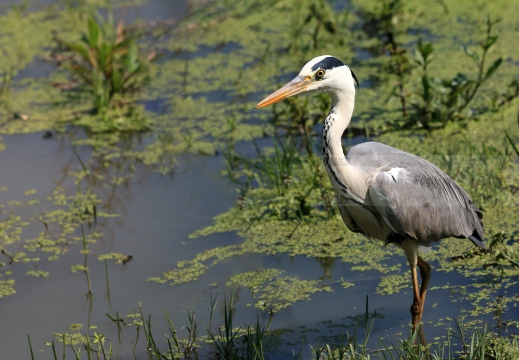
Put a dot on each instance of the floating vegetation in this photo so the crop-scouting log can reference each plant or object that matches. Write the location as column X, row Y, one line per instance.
column 109, row 65
column 391, row 284
column 7, row 287
column 254, row 342
column 216, row 64
column 274, row 290
column 284, row 202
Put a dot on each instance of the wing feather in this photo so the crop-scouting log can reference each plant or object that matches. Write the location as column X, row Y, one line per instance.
column 417, row 199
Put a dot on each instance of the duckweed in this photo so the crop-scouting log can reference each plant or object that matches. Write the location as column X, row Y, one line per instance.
column 217, row 65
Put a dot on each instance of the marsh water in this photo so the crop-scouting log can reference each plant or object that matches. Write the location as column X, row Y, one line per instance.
column 156, row 215
column 150, row 215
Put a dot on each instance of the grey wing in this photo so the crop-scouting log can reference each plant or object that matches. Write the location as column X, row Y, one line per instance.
column 420, row 201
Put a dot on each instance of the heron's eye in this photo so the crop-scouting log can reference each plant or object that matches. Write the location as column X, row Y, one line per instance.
column 319, row 74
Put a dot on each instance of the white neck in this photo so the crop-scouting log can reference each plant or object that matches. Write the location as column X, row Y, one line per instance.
column 336, row 123
column 340, row 172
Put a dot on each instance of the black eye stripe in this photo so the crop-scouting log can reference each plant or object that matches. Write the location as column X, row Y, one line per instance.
column 328, row 63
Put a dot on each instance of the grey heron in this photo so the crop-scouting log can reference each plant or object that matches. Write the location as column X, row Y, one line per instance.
column 382, row 192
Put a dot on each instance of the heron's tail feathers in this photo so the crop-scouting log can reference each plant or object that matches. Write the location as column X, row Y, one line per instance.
column 477, row 241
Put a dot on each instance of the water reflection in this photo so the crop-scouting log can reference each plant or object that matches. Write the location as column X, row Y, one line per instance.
column 105, row 173
column 327, row 264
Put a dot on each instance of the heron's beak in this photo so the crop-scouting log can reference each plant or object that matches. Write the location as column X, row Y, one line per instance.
column 294, row 87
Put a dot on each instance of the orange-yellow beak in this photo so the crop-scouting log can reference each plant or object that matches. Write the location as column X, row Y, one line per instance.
column 294, row 87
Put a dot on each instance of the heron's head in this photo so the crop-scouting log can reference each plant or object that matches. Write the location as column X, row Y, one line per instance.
column 323, row 73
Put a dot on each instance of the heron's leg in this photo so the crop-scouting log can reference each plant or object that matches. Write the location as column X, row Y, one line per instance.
column 419, row 292
column 425, row 274
column 410, row 248
column 416, row 308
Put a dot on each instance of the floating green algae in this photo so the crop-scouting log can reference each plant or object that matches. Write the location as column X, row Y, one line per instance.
column 6, row 287
column 391, row 284
column 51, row 224
column 274, row 290
column 218, row 64
column 475, row 153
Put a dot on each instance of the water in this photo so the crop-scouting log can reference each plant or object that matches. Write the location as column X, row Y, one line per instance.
column 156, row 215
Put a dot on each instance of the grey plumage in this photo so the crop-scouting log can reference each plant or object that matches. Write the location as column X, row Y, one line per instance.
column 413, row 197
column 382, row 192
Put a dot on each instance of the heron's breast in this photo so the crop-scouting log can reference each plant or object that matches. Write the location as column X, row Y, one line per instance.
column 363, row 217
column 345, row 176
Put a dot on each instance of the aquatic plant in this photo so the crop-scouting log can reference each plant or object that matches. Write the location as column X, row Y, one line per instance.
column 443, row 100
column 312, row 19
column 226, row 341
column 434, row 101
column 107, row 61
column 384, row 22
column 288, row 185
column 273, row 290
column 200, row 122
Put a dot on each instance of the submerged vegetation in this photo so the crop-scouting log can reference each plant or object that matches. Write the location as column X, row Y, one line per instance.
column 450, row 99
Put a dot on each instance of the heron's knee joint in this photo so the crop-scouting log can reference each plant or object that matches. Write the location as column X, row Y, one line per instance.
column 416, row 309
column 425, row 269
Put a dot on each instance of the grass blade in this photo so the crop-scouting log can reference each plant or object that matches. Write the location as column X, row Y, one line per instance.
column 516, row 150
column 30, row 346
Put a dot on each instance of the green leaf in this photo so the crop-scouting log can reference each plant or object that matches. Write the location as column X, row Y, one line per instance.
column 79, row 49
column 117, row 81
column 474, row 56
column 423, row 53
column 491, row 40
column 493, row 68
column 131, row 62
column 459, row 80
column 425, row 48
column 436, row 83
column 93, row 32
column 105, row 56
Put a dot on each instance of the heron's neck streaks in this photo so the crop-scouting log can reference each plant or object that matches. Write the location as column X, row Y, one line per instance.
column 331, row 148
column 338, row 167
column 336, row 122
